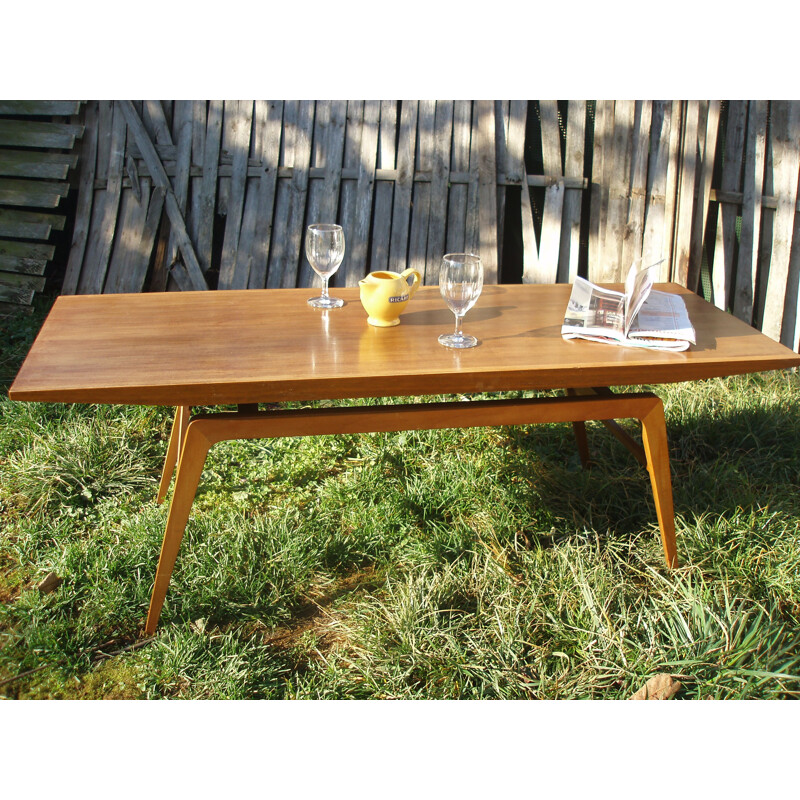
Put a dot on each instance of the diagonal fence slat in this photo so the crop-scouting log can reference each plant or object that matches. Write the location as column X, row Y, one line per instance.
column 195, row 276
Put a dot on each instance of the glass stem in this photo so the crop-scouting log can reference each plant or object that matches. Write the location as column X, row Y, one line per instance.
column 458, row 326
column 325, row 288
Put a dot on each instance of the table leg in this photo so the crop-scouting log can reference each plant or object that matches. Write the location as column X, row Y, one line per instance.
column 190, row 467
column 176, row 439
column 654, row 455
column 654, row 438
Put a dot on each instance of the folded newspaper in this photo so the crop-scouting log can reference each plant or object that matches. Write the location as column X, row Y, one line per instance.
column 638, row 317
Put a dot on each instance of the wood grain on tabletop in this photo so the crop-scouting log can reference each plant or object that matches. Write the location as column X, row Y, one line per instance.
column 203, row 348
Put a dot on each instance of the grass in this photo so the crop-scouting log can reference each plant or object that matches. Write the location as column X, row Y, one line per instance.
column 440, row 564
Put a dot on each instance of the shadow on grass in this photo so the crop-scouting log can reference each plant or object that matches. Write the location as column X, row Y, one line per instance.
column 543, row 474
column 720, row 464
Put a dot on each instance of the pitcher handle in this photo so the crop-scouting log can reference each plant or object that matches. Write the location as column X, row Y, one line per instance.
column 412, row 287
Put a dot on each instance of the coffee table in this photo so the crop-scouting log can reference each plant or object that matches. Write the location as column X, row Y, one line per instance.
column 242, row 348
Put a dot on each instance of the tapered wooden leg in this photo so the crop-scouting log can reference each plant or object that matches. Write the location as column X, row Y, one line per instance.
column 654, row 438
column 190, row 467
column 176, row 438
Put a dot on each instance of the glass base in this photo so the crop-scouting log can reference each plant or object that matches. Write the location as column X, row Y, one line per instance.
column 457, row 340
column 326, row 302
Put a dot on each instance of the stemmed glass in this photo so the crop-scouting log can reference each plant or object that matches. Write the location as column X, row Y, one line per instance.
column 325, row 251
column 460, row 282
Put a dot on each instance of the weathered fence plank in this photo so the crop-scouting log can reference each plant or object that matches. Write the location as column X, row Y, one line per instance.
column 502, row 113
column 349, row 186
column 677, row 122
column 404, row 184
column 550, row 237
column 658, row 164
column 420, row 214
column 569, row 253
column 121, row 276
column 199, row 115
column 443, row 133
column 28, row 164
column 25, row 257
column 785, row 118
column 86, row 194
column 725, row 240
column 357, row 265
column 601, row 169
column 208, row 186
column 104, row 217
column 614, row 230
column 634, row 227
column 267, row 188
column 38, row 108
column 459, row 162
column 707, row 148
column 516, row 171
column 487, row 191
column 747, row 265
column 686, row 205
column 298, row 190
column 26, row 224
column 244, row 250
column 241, row 120
column 384, row 189
column 30, row 133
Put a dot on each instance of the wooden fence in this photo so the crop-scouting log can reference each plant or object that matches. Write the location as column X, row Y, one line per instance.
column 36, row 156
column 213, row 194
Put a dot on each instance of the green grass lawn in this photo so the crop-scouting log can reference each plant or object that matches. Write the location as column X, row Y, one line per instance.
column 444, row 564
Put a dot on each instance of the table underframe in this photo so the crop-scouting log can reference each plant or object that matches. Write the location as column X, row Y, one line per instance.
column 192, row 437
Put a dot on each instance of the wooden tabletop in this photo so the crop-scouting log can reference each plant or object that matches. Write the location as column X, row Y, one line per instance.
column 222, row 347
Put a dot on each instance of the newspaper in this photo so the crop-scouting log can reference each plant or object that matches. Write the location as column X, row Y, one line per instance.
column 638, row 317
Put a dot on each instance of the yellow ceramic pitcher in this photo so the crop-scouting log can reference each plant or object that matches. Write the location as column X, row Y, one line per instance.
column 385, row 294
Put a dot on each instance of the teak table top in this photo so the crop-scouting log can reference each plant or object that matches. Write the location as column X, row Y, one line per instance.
column 225, row 347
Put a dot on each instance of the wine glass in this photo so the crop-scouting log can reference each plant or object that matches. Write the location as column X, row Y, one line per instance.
column 325, row 251
column 460, row 282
